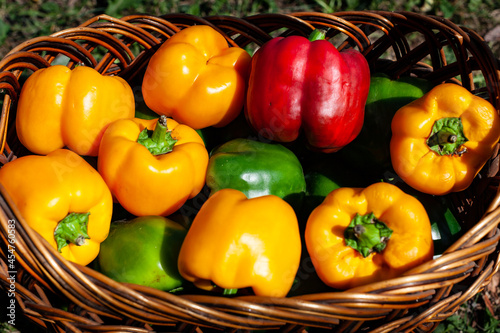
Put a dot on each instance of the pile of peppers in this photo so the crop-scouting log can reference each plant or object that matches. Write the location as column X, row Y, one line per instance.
column 234, row 170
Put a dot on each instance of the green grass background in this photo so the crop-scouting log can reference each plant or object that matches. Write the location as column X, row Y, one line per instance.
column 24, row 19
column 21, row 20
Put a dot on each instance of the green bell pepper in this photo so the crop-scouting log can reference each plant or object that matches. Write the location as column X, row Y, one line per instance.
column 143, row 251
column 256, row 169
column 370, row 149
column 326, row 173
column 215, row 136
column 446, row 228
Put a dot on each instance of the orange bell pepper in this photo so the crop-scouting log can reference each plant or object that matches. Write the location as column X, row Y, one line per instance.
column 235, row 242
column 152, row 166
column 363, row 235
column 61, row 107
column 62, row 198
column 197, row 79
column 442, row 140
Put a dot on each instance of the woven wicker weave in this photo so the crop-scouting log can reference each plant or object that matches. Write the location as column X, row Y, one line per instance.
column 394, row 43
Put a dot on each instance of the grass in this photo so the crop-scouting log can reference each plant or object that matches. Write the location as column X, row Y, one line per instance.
column 24, row 19
column 21, row 20
column 475, row 316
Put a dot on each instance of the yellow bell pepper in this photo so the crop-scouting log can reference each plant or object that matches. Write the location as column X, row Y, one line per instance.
column 59, row 107
column 197, row 79
column 442, row 140
column 64, row 199
column 235, row 243
column 363, row 235
column 152, row 166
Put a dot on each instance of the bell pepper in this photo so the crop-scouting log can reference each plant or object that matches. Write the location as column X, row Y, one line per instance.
column 236, row 242
column 446, row 228
column 196, row 78
column 325, row 173
column 216, row 136
column 256, row 169
column 363, row 235
column 307, row 84
column 441, row 141
column 63, row 199
column 370, row 150
column 152, row 166
column 59, row 107
column 143, row 251
column 445, row 225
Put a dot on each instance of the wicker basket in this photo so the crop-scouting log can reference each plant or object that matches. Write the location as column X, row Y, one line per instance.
column 395, row 43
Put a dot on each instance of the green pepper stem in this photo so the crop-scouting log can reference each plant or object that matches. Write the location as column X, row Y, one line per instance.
column 72, row 230
column 366, row 234
column 159, row 141
column 447, row 135
column 160, row 132
column 316, row 34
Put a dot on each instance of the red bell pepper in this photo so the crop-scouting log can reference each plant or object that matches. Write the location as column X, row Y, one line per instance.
column 307, row 84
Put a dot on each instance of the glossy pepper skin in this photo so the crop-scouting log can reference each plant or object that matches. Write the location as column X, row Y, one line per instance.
column 370, row 150
column 70, row 108
column 445, row 225
column 197, row 79
column 143, row 251
column 327, row 234
column 153, row 182
column 297, row 85
column 441, row 141
column 256, row 168
column 62, row 198
column 235, row 242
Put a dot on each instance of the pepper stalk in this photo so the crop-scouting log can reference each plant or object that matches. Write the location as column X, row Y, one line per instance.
column 72, row 230
column 447, row 135
column 366, row 234
column 158, row 141
column 316, row 34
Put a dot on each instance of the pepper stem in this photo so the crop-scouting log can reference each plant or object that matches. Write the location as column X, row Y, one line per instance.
column 366, row 234
column 447, row 135
column 158, row 141
column 72, row 230
column 316, row 34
